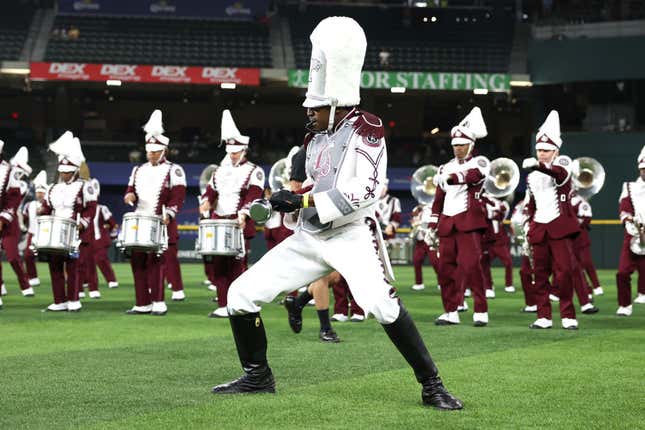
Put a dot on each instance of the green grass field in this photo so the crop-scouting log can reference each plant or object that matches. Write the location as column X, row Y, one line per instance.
column 102, row 369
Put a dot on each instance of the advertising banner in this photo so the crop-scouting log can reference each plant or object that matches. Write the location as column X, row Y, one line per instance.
column 143, row 73
column 219, row 9
column 419, row 80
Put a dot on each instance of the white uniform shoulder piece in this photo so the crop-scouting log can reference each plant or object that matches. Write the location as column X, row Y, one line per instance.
column 15, row 180
column 566, row 163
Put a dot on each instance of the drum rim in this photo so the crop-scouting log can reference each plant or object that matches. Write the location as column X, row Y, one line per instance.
column 54, row 217
column 220, row 221
column 135, row 215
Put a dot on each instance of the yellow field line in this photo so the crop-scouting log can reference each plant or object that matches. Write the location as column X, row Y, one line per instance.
column 194, row 227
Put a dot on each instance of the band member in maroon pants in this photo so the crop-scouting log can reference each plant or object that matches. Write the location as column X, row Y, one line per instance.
column 632, row 214
column 553, row 225
column 158, row 187
column 459, row 217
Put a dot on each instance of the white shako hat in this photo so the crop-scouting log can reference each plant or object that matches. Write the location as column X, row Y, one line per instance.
column 70, row 154
column 548, row 136
column 641, row 159
column 40, row 181
column 21, row 160
column 338, row 47
column 155, row 140
column 471, row 128
column 231, row 136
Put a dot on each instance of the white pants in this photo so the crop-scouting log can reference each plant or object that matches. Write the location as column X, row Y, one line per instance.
column 303, row 258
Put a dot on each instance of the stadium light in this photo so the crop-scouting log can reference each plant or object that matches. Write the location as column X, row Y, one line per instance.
column 15, row 70
column 113, row 83
column 521, row 84
column 480, row 91
column 397, row 90
column 228, row 85
column 433, row 19
column 421, row 4
column 434, row 130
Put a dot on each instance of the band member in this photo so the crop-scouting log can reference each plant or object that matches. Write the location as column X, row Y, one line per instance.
column 388, row 212
column 232, row 188
column 172, row 272
column 583, row 244
column 420, row 217
column 317, row 291
column 553, row 224
column 29, row 214
column 87, row 262
column 13, row 190
column 519, row 226
column 158, row 187
column 459, row 219
column 105, row 232
column 632, row 215
column 74, row 199
column 498, row 244
column 337, row 227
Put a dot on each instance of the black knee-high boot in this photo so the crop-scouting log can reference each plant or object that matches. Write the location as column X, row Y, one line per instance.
column 251, row 342
column 405, row 336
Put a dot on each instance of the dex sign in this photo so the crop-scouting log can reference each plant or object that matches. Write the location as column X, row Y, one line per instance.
column 143, row 73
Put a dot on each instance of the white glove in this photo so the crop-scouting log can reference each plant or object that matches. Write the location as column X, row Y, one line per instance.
column 631, row 228
column 430, row 237
column 530, row 163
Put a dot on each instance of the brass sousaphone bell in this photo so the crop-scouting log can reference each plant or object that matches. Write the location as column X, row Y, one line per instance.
column 421, row 185
column 503, row 178
column 588, row 176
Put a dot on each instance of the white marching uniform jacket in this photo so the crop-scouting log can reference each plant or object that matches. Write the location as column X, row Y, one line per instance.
column 157, row 187
column 234, row 187
column 345, row 175
column 75, row 200
column 347, row 170
column 11, row 193
column 632, row 204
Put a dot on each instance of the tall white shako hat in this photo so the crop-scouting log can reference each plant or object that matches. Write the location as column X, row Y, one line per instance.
column 641, row 159
column 155, row 140
column 40, row 181
column 70, row 154
column 231, row 136
column 338, row 47
column 20, row 161
column 548, row 136
column 471, row 128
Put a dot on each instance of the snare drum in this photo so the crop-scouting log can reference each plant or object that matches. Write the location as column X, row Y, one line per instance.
column 400, row 250
column 56, row 235
column 219, row 237
column 140, row 232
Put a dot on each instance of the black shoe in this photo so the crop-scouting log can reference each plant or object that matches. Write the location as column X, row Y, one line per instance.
column 480, row 324
column 442, row 322
column 329, row 336
column 592, row 310
column 258, row 380
column 159, row 314
column 295, row 314
column 133, row 312
column 433, row 393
